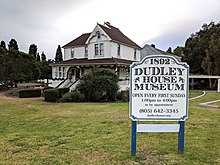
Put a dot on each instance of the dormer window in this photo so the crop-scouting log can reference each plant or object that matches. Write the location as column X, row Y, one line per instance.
column 72, row 53
column 98, row 35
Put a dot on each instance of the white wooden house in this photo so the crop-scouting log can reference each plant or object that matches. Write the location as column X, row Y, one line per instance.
column 105, row 47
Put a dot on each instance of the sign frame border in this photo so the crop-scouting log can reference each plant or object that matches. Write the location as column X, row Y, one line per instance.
column 184, row 64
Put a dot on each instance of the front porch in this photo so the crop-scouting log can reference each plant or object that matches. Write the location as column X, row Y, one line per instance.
column 68, row 73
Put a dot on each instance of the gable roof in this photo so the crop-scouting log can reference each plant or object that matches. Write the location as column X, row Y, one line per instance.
column 150, row 50
column 79, row 41
column 88, row 62
column 114, row 33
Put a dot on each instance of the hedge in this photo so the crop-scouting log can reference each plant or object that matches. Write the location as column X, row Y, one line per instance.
column 54, row 94
column 26, row 93
column 51, row 95
column 73, row 97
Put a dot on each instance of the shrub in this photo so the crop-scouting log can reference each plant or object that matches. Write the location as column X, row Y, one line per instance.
column 63, row 91
column 73, row 97
column 26, row 93
column 51, row 95
column 123, row 96
column 45, row 88
column 99, row 85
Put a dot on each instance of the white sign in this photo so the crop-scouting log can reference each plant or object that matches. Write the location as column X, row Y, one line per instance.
column 159, row 89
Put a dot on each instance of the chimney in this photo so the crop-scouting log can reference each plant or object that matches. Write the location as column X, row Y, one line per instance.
column 107, row 23
column 152, row 45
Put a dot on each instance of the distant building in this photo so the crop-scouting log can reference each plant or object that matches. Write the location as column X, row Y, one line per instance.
column 105, row 47
column 151, row 50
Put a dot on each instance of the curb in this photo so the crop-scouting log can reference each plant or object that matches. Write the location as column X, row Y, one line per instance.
column 204, row 93
column 206, row 104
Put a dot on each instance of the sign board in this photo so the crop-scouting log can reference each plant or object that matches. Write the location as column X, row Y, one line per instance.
column 159, row 89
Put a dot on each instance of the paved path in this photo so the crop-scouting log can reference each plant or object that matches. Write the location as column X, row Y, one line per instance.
column 206, row 104
column 203, row 94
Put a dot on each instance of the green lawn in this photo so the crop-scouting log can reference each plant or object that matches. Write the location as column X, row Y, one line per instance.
column 36, row 132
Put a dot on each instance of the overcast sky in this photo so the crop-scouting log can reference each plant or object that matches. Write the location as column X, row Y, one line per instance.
column 49, row 23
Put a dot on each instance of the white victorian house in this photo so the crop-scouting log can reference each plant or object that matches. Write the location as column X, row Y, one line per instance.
column 105, row 47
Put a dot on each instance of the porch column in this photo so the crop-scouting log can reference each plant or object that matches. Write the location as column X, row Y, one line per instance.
column 117, row 70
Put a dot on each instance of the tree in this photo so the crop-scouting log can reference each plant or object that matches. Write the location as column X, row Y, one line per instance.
column 43, row 57
column 33, row 50
column 99, row 85
column 211, row 61
column 197, row 48
column 13, row 45
column 179, row 51
column 38, row 57
column 46, row 69
column 59, row 55
column 3, row 45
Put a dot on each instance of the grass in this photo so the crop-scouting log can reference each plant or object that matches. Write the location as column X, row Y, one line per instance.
column 36, row 132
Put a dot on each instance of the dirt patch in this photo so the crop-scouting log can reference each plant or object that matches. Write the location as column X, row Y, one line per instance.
column 4, row 98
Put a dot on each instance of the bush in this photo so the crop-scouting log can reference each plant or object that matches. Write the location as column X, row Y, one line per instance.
column 73, row 97
column 51, row 95
column 26, row 93
column 123, row 96
column 46, row 88
column 99, row 85
column 63, row 91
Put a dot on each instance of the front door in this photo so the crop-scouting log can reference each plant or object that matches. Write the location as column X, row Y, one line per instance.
column 77, row 73
column 74, row 74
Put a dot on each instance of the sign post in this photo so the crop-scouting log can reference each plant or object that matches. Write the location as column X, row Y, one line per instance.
column 133, row 139
column 159, row 92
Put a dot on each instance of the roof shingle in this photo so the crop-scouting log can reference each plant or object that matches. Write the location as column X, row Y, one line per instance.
column 79, row 41
column 114, row 33
column 100, row 61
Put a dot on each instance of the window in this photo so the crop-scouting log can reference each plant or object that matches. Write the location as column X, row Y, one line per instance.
column 60, row 72
column 135, row 54
column 98, row 35
column 86, row 51
column 56, row 72
column 96, row 49
column 63, row 71
column 72, row 53
column 118, row 50
column 99, row 49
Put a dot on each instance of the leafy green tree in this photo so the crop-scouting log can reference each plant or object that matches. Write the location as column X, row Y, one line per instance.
column 13, row 45
column 59, row 55
column 197, row 48
column 45, row 70
column 99, row 85
column 202, row 51
column 33, row 50
column 38, row 57
column 211, row 61
column 3, row 67
column 43, row 57
column 3, row 45
column 179, row 51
